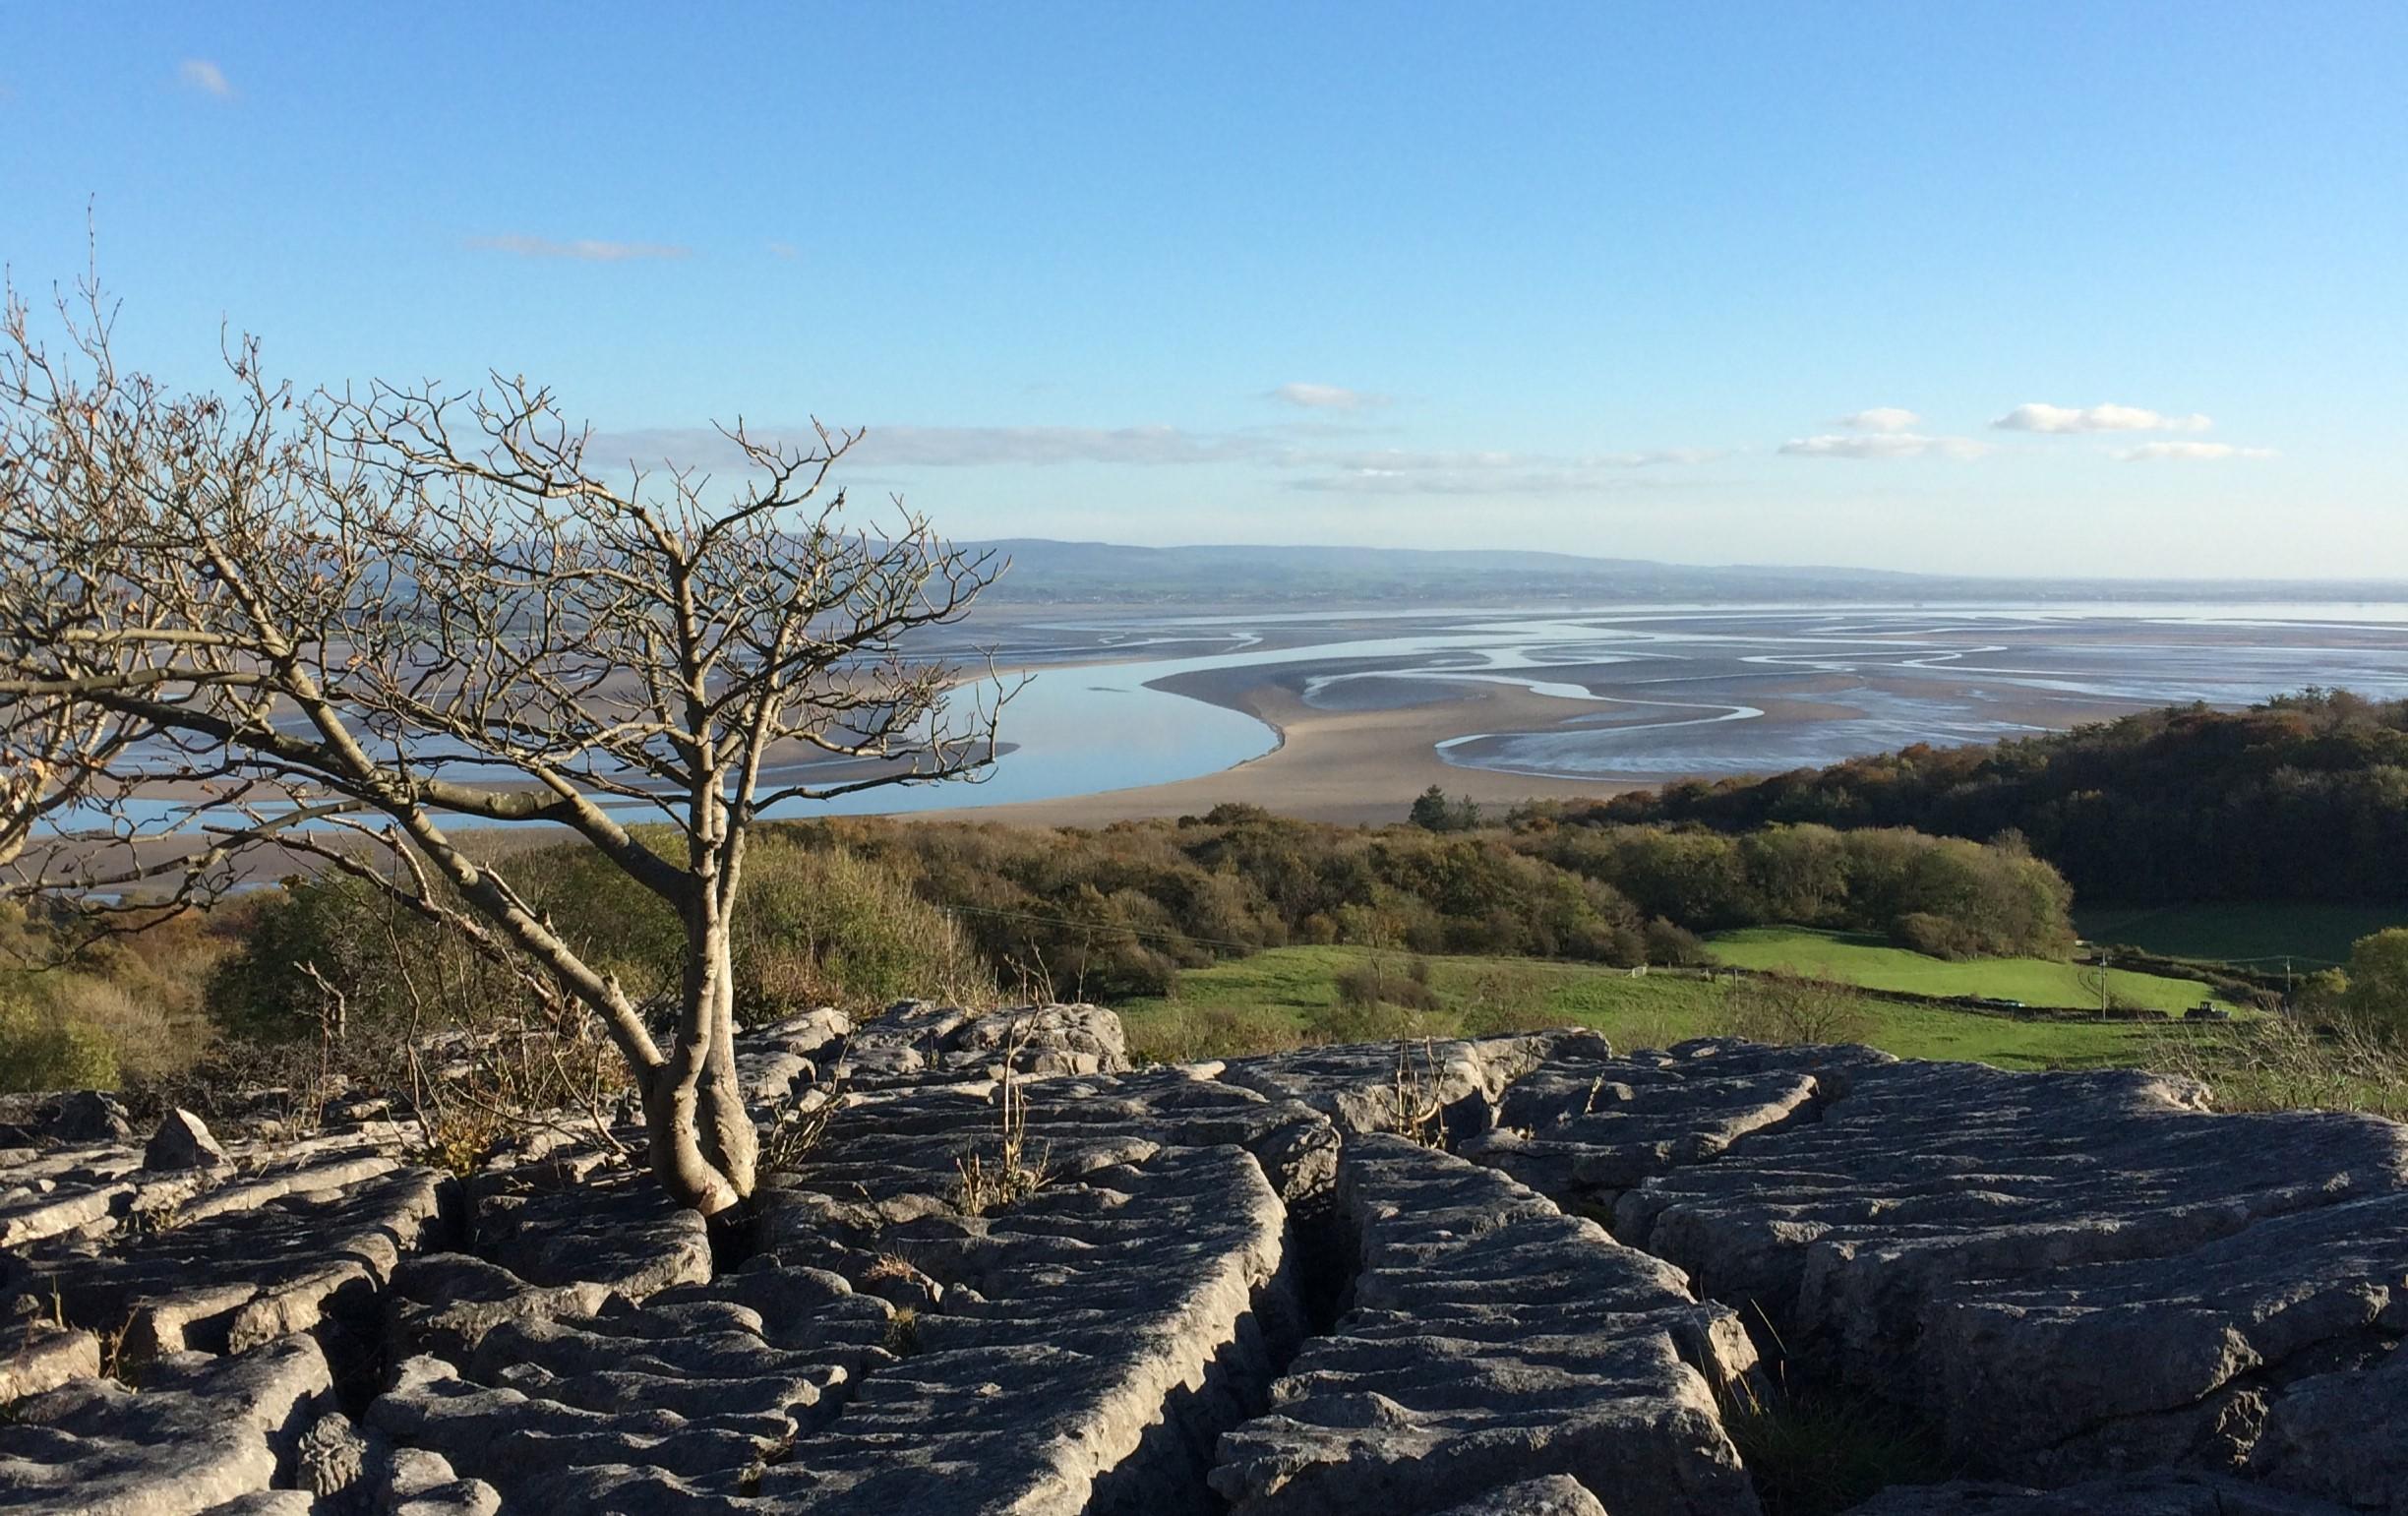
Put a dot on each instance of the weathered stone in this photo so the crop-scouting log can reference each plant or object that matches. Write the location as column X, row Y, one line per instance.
column 2071, row 1273
column 183, row 1141
column 780, row 1060
column 411, row 1482
column 443, row 1303
column 2342, row 1435
column 332, row 1456
column 1097, row 1337
column 2133, row 1495
column 89, row 1116
column 221, row 1279
column 2094, row 1346
column 917, row 1040
column 618, row 1230
column 1492, row 1339
column 38, row 1355
column 320, row 1177
column 39, row 1214
column 1554, row 1495
column 267, row 1503
column 1454, row 1086
column 514, row 1439
column 202, row 1432
column 1587, row 1125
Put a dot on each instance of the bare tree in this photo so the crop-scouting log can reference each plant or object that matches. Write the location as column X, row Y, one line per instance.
column 350, row 626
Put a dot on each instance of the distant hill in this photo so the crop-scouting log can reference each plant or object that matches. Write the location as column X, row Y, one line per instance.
column 1048, row 572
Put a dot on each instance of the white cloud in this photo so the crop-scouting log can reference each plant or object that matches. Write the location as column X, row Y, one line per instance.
column 1389, row 471
column 2039, row 417
column 2203, row 452
column 958, row 446
column 584, row 250
column 207, row 77
column 954, row 447
column 1326, row 398
column 1882, row 445
column 1881, row 418
column 783, row 249
column 1402, row 472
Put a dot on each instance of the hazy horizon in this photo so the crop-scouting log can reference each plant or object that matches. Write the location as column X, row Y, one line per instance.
column 2397, row 583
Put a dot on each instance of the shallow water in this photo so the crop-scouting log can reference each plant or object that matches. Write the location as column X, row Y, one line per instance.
column 1665, row 691
column 1644, row 693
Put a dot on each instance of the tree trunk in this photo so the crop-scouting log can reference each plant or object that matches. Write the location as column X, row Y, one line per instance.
column 672, row 1127
column 703, row 1146
column 729, row 1138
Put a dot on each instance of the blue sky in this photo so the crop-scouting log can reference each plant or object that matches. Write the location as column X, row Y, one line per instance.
column 1721, row 283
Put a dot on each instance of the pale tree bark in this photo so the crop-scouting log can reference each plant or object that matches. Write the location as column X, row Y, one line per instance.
column 350, row 625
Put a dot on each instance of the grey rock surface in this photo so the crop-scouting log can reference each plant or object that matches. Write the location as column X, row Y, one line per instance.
column 1588, row 1125
column 1386, row 1087
column 202, row 1432
column 2072, row 1274
column 1492, row 1338
column 920, row 1040
column 183, row 1141
column 614, row 1228
column 1554, row 1495
column 223, row 1278
column 1225, row 1286
column 2342, row 1435
column 89, row 1115
column 1094, row 1341
column 37, row 1354
column 2130, row 1494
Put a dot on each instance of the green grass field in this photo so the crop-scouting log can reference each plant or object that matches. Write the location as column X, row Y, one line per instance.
column 2258, row 936
column 1871, row 963
column 1288, row 996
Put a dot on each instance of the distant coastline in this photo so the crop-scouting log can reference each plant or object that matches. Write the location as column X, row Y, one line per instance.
column 1368, row 710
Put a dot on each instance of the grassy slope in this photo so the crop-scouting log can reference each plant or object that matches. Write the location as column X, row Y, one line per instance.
column 1867, row 961
column 1292, row 992
column 2257, row 935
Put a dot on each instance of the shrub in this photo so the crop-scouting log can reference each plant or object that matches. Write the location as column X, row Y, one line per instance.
column 1381, row 1021
column 2374, row 991
column 829, row 927
column 42, row 1051
column 1508, row 998
column 1184, row 1034
column 1433, row 811
column 1934, row 936
column 1795, row 1009
column 1674, row 947
column 85, row 1012
column 144, row 1042
column 1371, row 982
column 2287, row 1064
column 819, row 927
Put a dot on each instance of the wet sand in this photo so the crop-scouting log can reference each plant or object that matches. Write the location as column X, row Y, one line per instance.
column 1367, row 710
column 1723, row 694
column 1350, row 767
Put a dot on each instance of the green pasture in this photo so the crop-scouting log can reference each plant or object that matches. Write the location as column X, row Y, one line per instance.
column 1869, row 961
column 1288, row 996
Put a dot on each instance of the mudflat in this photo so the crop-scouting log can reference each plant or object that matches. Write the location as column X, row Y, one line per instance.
column 1369, row 709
